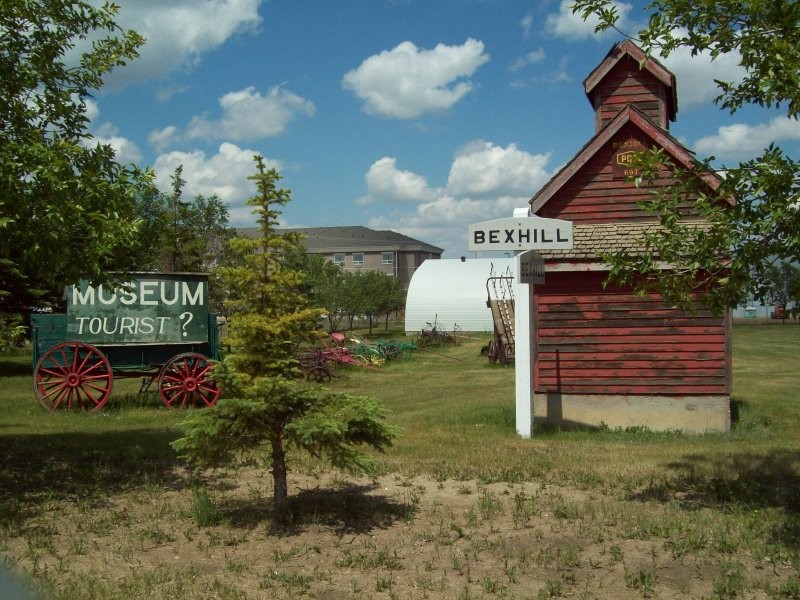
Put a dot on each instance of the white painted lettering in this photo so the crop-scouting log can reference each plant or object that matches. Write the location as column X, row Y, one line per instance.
column 197, row 298
column 146, row 325
column 127, row 325
column 110, row 300
column 161, row 322
column 175, row 294
column 146, row 290
column 127, row 294
column 80, row 324
column 95, row 325
column 85, row 298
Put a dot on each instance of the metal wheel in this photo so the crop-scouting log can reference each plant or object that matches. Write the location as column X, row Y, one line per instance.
column 492, row 353
column 72, row 375
column 318, row 374
column 184, row 382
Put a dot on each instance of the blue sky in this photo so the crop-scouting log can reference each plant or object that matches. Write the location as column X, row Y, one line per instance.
column 420, row 116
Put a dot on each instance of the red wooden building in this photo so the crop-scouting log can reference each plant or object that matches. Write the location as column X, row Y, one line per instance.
column 604, row 355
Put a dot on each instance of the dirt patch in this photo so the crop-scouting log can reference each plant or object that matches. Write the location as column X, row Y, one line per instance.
column 391, row 537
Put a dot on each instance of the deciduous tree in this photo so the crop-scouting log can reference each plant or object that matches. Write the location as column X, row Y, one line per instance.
column 194, row 232
column 730, row 256
column 781, row 287
column 67, row 207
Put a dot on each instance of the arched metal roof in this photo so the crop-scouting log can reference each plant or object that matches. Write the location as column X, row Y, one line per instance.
column 451, row 292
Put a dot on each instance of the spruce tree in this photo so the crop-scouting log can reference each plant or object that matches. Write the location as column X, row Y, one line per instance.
column 265, row 406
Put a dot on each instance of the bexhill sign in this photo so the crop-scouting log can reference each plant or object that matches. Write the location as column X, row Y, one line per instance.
column 520, row 233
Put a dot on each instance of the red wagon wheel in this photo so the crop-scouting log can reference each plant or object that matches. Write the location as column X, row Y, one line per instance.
column 72, row 375
column 184, row 382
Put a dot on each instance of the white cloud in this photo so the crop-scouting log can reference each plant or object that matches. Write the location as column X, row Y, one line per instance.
column 107, row 134
column 125, row 150
column 387, row 183
column 246, row 115
column 444, row 221
column 179, row 32
column 565, row 24
column 485, row 182
column 526, row 23
column 168, row 92
column 742, row 142
column 223, row 174
column 161, row 139
column 695, row 75
column 557, row 74
column 529, row 59
column 481, row 169
column 407, row 82
column 92, row 110
column 249, row 115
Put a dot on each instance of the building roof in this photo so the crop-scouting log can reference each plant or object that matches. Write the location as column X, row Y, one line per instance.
column 627, row 48
column 590, row 242
column 630, row 114
column 452, row 292
column 322, row 240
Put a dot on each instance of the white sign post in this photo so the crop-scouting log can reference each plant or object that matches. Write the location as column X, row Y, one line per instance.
column 524, row 235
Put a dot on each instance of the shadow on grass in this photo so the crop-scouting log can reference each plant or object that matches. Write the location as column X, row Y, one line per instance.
column 744, row 481
column 15, row 368
column 349, row 509
column 40, row 468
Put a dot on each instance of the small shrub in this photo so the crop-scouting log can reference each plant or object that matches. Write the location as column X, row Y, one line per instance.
column 204, row 512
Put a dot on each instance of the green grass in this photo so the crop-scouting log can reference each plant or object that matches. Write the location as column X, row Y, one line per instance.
column 458, row 422
column 704, row 500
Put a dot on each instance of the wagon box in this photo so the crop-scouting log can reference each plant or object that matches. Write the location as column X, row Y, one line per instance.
column 155, row 326
column 163, row 308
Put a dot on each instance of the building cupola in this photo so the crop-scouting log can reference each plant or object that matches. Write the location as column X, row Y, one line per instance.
column 628, row 77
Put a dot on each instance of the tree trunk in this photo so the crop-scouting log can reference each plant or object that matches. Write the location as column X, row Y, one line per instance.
column 280, row 488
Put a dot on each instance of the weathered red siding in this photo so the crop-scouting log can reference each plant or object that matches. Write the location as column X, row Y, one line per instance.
column 609, row 341
column 596, row 195
column 627, row 84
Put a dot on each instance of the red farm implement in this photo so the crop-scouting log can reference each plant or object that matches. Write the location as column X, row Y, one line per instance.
column 316, row 362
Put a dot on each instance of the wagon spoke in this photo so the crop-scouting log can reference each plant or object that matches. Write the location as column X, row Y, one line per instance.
column 208, row 394
column 58, row 392
column 183, row 382
column 205, row 371
column 51, row 373
column 179, row 393
column 68, row 395
column 72, row 374
column 92, row 367
column 90, row 386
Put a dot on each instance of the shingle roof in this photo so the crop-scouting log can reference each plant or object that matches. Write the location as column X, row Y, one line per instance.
column 353, row 237
column 592, row 241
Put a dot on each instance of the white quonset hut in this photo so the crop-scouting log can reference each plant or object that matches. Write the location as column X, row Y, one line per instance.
column 453, row 292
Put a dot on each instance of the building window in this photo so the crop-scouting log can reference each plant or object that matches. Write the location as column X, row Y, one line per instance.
column 338, row 259
column 358, row 259
column 387, row 258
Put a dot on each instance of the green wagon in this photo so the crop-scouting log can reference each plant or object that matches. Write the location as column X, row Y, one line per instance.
column 155, row 326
